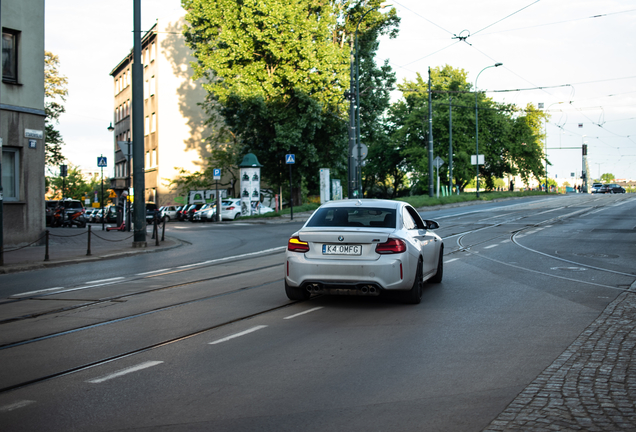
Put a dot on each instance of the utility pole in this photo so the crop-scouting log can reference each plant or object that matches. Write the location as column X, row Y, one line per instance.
column 138, row 132
column 430, row 137
column 450, row 147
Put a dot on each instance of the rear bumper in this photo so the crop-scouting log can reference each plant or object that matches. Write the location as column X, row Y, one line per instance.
column 389, row 272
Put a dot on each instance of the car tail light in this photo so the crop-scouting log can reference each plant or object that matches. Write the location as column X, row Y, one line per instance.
column 391, row 246
column 231, row 208
column 296, row 245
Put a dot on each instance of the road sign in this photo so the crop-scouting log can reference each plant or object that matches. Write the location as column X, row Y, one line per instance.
column 473, row 159
column 216, row 174
column 125, row 147
column 101, row 161
column 438, row 162
column 290, row 159
column 364, row 151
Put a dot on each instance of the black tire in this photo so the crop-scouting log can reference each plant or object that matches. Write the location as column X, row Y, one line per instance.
column 296, row 293
column 166, row 219
column 236, row 216
column 414, row 295
column 440, row 267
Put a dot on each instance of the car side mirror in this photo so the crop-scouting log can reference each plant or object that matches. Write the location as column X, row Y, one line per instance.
column 431, row 225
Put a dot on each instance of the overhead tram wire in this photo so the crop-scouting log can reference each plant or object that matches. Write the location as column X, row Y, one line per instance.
column 560, row 22
column 508, row 16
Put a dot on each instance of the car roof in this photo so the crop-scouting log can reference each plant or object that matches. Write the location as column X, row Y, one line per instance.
column 365, row 202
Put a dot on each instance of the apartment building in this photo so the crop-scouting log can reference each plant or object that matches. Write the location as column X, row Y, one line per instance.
column 22, row 121
column 174, row 123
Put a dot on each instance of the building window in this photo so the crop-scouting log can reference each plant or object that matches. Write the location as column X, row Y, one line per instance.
column 152, row 52
column 147, row 159
column 152, row 86
column 147, row 126
column 153, row 123
column 154, row 157
column 10, row 171
column 146, row 89
column 10, row 55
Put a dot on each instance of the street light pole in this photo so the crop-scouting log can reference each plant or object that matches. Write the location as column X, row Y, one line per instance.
column 477, row 125
column 354, row 113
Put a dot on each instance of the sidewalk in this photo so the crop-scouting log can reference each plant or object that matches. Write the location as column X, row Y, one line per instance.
column 70, row 246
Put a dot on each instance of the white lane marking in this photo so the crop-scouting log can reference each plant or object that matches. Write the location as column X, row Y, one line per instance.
column 125, row 371
column 104, row 280
column 243, row 333
column 506, row 241
column 303, row 313
column 24, row 294
column 151, row 272
column 234, row 257
column 491, row 246
column 14, row 406
column 450, row 260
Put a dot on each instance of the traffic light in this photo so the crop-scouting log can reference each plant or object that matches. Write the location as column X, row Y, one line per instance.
column 584, row 149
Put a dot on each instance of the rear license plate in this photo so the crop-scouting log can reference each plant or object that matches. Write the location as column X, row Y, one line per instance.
column 341, row 249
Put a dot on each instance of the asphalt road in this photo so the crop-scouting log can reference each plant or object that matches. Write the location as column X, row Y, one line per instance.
column 203, row 341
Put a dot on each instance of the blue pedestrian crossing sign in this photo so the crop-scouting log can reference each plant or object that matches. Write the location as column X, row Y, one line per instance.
column 101, row 161
column 290, row 159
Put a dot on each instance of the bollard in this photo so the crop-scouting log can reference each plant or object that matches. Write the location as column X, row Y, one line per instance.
column 46, row 249
column 163, row 230
column 88, row 251
column 155, row 234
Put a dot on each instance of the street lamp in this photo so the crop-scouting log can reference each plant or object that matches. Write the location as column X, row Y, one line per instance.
column 477, row 125
column 354, row 112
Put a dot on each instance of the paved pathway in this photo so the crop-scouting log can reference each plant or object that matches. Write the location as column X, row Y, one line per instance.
column 590, row 387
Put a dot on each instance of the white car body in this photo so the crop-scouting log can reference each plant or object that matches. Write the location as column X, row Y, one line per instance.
column 363, row 247
column 230, row 208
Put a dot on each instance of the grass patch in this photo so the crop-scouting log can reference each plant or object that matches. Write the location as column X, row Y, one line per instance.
column 417, row 201
column 426, row 201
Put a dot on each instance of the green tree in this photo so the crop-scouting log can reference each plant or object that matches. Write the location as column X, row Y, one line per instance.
column 607, row 178
column 55, row 93
column 509, row 138
column 277, row 72
column 76, row 185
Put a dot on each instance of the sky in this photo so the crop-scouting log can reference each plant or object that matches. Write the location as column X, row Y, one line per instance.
column 577, row 57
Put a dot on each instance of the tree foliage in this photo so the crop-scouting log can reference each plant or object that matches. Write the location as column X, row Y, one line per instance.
column 77, row 185
column 510, row 139
column 55, row 93
column 278, row 71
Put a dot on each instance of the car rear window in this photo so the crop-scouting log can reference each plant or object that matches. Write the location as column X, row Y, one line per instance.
column 353, row 217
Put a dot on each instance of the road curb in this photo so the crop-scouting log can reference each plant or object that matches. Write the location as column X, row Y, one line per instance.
column 17, row 268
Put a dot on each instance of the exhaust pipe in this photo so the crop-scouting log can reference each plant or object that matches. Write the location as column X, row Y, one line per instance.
column 372, row 290
column 364, row 290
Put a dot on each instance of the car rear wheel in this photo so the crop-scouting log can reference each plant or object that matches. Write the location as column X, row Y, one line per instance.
column 296, row 293
column 414, row 295
column 440, row 267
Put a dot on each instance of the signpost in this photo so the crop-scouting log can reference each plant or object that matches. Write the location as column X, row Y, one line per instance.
column 101, row 163
column 216, row 176
column 438, row 162
column 290, row 159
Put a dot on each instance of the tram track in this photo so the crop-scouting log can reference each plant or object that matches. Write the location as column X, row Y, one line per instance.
column 140, row 350
column 242, row 317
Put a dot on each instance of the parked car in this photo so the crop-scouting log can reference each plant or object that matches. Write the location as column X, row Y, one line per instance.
column 611, row 188
column 189, row 212
column 596, row 187
column 230, row 208
column 259, row 209
column 169, row 213
column 150, row 212
column 363, row 247
column 94, row 215
column 205, row 214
